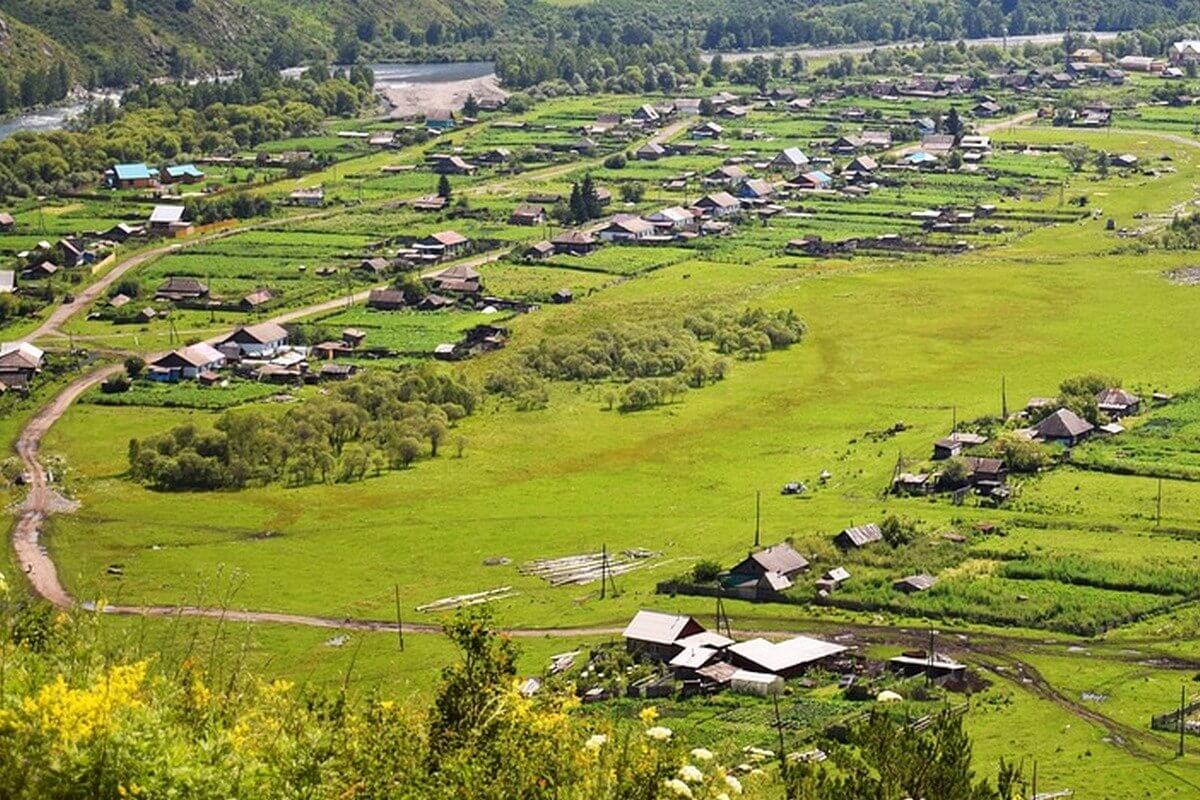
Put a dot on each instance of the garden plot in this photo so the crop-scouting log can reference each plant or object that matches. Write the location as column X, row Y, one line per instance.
column 411, row 332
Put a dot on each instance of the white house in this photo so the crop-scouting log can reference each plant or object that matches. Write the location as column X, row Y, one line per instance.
column 255, row 341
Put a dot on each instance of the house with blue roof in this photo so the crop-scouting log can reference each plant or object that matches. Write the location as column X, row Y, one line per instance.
column 920, row 159
column 132, row 176
column 182, row 173
column 817, row 179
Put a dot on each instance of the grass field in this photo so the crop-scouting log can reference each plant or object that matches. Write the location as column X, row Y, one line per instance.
column 920, row 339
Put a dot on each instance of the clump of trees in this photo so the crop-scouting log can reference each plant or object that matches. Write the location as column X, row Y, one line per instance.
column 377, row 421
column 1182, row 234
column 1079, row 395
column 750, row 333
column 237, row 206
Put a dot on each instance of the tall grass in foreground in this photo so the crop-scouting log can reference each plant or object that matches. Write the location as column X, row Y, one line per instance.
column 82, row 717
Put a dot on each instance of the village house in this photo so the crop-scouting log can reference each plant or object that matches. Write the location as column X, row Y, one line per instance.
column 452, row 165
column 177, row 289
column 1184, row 52
column 645, row 114
column 832, row 580
column 698, row 651
column 374, row 266
column 955, row 443
column 672, row 219
column 528, row 214
column 813, row 180
column 652, row 151
column 771, row 569
column 122, row 231
column 313, row 197
column 987, row 109
column 1141, row 64
column 574, row 243
column 975, row 142
column 40, row 270
column 336, row 372
column 8, row 281
column 914, row 483
column 687, row 106
column 562, row 296
column 986, row 474
column 182, row 173
column 707, row 130
column 912, row 584
column 439, row 120
column 386, row 299
column 1117, row 402
column 256, row 300
column 863, row 165
column 255, row 341
column 626, row 228
column 168, row 220
column 656, row 635
column 19, row 363
column 858, row 536
column 1064, row 426
column 538, row 251
column 186, row 364
column 132, row 176
column 755, row 189
column 718, row 204
column 442, row 245
column 494, row 156
column 7, row 223
column 938, row 667
column 726, row 175
column 429, row 203
column 1087, row 55
column 787, row 659
column 791, row 158
column 459, row 279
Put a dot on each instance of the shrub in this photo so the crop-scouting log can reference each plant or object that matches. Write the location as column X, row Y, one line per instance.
column 706, row 571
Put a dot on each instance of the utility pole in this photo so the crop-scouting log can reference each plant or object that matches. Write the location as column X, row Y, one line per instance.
column 757, row 516
column 953, row 418
column 399, row 621
column 1003, row 398
column 929, row 670
column 1182, row 703
column 603, row 570
column 782, row 753
column 1034, row 793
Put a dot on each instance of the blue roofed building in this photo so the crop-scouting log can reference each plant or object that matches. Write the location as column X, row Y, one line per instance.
column 132, row 176
column 182, row 173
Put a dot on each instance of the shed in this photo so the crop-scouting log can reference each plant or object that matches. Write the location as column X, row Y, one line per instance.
column 858, row 536
column 914, row 583
column 656, row 634
column 786, row 659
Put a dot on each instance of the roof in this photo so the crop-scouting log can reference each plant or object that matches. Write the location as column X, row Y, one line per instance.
column 862, row 534
column 133, row 172
column 721, row 672
column 262, row 333
column 1062, row 424
column 781, row 558
column 462, row 272
column 175, row 284
column 780, row 656
column 574, row 237
column 838, row 574
column 200, row 354
column 20, row 354
column 184, row 170
column 705, row 639
column 8, row 280
column 528, row 210
column 6, row 218
column 721, row 199
column 693, row 657
column 657, row 627
column 1116, row 397
column 986, row 465
column 758, row 186
column 448, row 238
column 630, row 224
column 673, row 214
column 919, row 582
column 164, row 215
column 792, row 155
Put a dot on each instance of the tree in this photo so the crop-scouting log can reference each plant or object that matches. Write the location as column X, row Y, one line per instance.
column 470, row 688
column 953, row 123
column 592, row 207
column 134, row 365
column 706, row 571
column 471, row 106
column 716, row 67
column 898, row 531
column 443, row 188
column 1102, row 163
column 1076, row 156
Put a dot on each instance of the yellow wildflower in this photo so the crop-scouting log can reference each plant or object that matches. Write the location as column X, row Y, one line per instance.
column 648, row 714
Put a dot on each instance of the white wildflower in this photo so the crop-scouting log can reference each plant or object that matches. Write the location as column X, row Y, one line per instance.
column 691, row 774
column 596, row 742
column 702, row 754
column 721, row 796
column 734, row 784
column 680, row 788
column 659, row 733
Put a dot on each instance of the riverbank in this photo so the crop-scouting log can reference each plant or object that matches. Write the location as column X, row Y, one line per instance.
column 415, row 99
